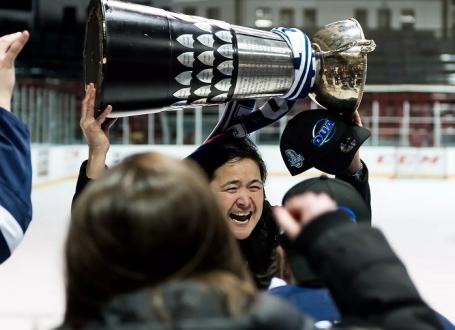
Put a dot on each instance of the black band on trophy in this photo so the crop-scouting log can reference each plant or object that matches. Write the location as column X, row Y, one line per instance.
column 204, row 62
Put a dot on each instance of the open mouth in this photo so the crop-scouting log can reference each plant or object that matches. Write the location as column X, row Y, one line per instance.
column 241, row 217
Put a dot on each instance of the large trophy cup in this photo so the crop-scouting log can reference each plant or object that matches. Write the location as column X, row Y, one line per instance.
column 143, row 59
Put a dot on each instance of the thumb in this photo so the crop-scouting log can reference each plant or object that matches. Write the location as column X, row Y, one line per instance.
column 15, row 48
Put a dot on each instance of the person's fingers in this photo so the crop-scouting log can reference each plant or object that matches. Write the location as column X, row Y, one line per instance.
column 296, row 203
column 85, row 101
column 7, row 40
column 356, row 118
column 285, row 220
column 108, row 123
column 102, row 117
column 310, row 205
column 15, row 48
column 84, row 105
column 91, row 92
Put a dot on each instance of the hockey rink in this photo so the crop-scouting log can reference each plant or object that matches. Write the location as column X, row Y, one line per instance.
column 415, row 214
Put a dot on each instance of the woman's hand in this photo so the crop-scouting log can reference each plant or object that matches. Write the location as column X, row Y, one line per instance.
column 96, row 132
column 10, row 47
column 301, row 210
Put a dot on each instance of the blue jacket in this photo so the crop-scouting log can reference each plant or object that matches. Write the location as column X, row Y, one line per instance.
column 15, row 182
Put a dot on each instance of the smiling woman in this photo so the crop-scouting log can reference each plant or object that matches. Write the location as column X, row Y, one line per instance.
column 237, row 174
column 238, row 186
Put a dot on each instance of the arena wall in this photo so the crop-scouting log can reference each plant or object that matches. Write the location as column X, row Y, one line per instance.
column 51, row 163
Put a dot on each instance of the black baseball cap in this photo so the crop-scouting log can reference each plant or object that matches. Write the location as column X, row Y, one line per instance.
column 321, row 139
column 348, row 199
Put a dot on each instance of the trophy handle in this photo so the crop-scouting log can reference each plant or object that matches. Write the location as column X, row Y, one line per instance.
column 366, row 46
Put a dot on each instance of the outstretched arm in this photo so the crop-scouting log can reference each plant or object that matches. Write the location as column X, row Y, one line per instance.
column 15, row 160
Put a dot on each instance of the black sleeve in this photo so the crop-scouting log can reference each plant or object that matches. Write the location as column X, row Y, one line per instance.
column 259, row 249
column 82, row 181
column 361, row 183
column 364, row 275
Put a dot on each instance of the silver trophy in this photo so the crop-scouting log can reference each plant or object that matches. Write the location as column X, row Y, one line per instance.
column 143, row 59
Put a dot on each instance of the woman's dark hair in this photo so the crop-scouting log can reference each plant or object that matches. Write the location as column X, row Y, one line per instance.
column 148, row 220
column 223, row 148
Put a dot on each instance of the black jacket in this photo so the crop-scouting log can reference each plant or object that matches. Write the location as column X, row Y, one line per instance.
column 259, row 249
column 361, row 184
column 82, row 181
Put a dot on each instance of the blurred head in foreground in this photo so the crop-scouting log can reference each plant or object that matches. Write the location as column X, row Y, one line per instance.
column 149, row 220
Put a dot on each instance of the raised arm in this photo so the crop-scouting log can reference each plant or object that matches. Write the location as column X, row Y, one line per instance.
column 96, row 133
column 10, row 46
column 357, row 174
column 15, row 160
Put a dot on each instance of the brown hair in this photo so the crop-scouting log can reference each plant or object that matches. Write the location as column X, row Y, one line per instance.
column 148, row 220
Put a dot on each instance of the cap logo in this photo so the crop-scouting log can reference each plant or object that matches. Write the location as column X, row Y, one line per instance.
column 348, row 144
column 323, row 131
column 294, row 159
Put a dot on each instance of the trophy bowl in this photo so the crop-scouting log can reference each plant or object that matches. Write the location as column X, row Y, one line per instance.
column 341, row 65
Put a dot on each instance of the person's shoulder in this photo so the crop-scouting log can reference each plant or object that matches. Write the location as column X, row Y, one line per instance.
column 445, row 322
column 299, row 292
column 284, row 289
column 10, row 119
column 270, row 312
column 313, row 301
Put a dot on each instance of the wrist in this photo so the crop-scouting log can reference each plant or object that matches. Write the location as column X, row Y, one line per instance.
column 359, row 173
column 98, row 149
column 96, row 164
column 355, row 166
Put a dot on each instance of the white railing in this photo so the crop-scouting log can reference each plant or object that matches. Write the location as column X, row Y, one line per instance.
column 51, row 110
column 52, row 163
